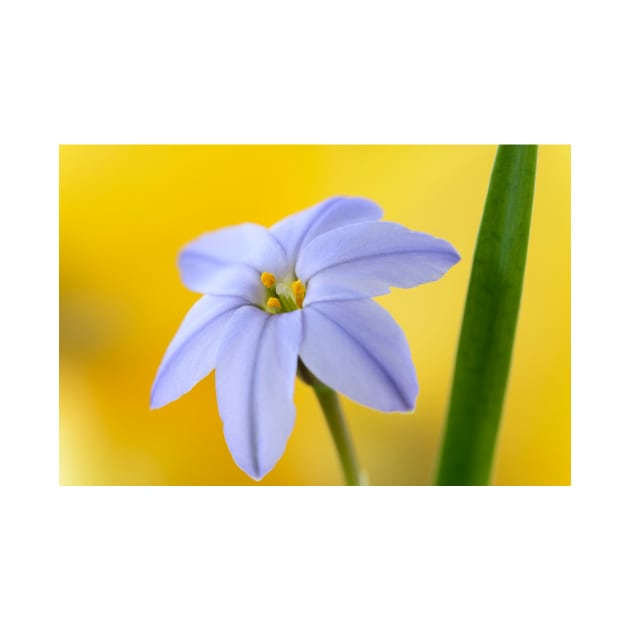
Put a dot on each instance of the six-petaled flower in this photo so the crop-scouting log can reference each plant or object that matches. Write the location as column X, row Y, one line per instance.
column 302, row 288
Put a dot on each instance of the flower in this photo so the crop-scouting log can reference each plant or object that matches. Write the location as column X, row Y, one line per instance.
column 301, row 288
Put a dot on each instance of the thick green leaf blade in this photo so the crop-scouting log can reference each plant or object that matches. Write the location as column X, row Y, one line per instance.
column 489, row 324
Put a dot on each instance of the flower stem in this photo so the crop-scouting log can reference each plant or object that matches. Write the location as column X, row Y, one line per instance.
column 329, row 402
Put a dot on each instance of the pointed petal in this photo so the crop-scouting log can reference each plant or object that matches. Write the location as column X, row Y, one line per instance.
column 255, row 379
column 357, row 348
column 367, row 258
column 299, row 229
column 192, row 353
column 252, row 246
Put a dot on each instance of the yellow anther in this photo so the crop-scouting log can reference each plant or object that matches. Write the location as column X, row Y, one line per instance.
column 268, row 279
column 274, row 304
column 299, row 292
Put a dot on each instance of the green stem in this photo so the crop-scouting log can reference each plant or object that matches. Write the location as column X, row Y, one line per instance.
column 329, row 402
column 489, row 324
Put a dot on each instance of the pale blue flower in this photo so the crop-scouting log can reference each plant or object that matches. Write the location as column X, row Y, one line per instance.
column 301, row 288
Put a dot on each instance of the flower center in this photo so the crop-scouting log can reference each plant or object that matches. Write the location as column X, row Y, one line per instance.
column 284, row 296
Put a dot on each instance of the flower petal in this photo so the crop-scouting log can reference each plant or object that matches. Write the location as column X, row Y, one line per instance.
column 357, row 348
column 192, row 353
column 231, row 281
column 202, row 261
column 367, row 258
column 299, row 229
column 255, row 378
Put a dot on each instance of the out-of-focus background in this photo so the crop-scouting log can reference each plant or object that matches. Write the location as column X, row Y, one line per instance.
column 125, row 211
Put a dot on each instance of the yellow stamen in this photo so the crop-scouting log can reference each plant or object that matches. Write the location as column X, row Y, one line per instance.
column 268, row 279
column 299, row 291
column 274, row 304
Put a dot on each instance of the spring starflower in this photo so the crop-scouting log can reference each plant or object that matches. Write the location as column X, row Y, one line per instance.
column 302, row 288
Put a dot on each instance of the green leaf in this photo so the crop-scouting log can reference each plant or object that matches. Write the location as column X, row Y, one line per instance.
column 489, row 324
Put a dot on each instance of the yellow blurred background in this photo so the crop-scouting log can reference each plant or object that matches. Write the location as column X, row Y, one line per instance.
column 125, row 211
